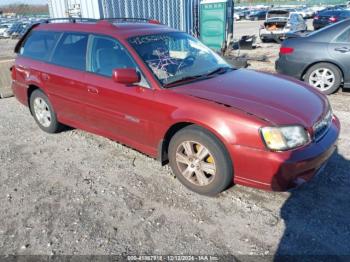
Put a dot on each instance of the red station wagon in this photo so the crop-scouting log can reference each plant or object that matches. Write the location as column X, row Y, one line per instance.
column 166, row 94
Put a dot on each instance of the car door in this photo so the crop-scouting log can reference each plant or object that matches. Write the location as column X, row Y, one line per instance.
column 117, row 110
column 339, row 50
column 64, row 78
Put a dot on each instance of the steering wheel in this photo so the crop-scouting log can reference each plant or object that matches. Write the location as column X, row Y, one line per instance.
column 188, row 61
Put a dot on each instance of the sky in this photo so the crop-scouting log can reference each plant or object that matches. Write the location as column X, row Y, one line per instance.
column 34, row 2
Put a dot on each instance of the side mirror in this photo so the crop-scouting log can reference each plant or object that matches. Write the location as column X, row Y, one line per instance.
column 126, row 76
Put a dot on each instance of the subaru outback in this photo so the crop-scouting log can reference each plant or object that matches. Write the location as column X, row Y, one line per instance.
column 167, row 95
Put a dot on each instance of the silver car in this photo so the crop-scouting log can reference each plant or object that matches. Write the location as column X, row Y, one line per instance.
column 278, row 23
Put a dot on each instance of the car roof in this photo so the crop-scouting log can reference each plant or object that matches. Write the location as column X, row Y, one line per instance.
column 333, row 12
column 122, row 30
column 330, row 32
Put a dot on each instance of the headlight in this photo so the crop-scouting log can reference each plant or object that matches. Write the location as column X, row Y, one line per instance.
column 284, row 138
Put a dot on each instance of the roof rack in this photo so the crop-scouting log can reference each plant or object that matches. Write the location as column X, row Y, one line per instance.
column 127, row 19
column 92, row 20
column 82, row 20
column 69, row 19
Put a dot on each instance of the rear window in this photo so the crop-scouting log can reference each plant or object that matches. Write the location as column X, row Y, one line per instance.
column 346, row 13
column 331, row 13
column 344, row 37
column 39, row 45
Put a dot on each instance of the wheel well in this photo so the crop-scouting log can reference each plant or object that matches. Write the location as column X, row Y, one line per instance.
column 326, row 62
column 30, row 90
column 164, row 144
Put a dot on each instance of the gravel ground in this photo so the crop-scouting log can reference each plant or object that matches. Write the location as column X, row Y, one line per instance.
column 77, row 193
column 6, row 48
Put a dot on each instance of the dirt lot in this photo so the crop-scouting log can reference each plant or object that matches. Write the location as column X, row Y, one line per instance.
column 77, row 193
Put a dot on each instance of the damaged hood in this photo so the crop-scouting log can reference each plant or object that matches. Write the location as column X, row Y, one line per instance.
column 278, row 100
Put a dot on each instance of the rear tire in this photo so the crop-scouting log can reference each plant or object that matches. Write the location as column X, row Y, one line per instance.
column 43, row 112
column 325, row 77
column 204, row 172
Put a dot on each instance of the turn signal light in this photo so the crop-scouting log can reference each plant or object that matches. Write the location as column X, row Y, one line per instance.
column 286, row 50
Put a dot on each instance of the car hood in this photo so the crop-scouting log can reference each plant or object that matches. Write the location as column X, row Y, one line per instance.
column 276, row 99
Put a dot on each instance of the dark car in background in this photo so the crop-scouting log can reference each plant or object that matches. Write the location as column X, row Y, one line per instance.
column 321, row 58
column 330, row 17
column 258, row 15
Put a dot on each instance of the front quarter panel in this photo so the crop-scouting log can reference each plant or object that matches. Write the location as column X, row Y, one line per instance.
column 230, row 125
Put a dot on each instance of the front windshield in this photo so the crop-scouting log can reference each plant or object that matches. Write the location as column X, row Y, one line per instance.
column 176, row 56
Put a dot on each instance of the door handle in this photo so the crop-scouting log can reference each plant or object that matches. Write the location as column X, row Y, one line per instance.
column 342, row 49
column 92, row 90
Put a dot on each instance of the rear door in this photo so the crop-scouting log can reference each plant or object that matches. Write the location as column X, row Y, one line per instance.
column 339, row 50
column 64, row 77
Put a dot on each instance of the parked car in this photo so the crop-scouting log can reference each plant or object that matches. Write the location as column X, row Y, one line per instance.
column 309, row 13
column 17, row 29
column 166, row 94
column 279, row 23
column 321, row 58
column 257, row 15
column 330, row 17
column 244, row 14
column 4, row 28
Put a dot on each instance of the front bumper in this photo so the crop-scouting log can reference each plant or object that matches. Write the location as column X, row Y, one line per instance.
column 280, row 171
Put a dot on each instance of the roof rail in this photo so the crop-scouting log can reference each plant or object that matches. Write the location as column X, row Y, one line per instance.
column 128, row 19
column 69, row 19
column 82, row 20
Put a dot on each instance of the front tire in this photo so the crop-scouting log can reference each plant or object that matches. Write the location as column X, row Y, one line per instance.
column 43, row 112
column 200, row 161
column 325, row 77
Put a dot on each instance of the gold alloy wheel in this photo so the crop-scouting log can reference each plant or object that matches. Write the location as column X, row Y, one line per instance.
column 195, row 163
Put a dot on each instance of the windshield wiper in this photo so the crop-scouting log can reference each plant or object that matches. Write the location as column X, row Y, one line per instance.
column 220, row 70
column 184, row 79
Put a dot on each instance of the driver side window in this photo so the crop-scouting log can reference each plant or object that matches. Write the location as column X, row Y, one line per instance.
column 107, row 54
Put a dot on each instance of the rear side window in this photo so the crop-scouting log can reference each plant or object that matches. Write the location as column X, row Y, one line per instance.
column 344, row 37
column 39, row 45
column 71, row 51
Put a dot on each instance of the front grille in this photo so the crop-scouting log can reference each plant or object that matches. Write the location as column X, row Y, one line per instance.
column 322, row 126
